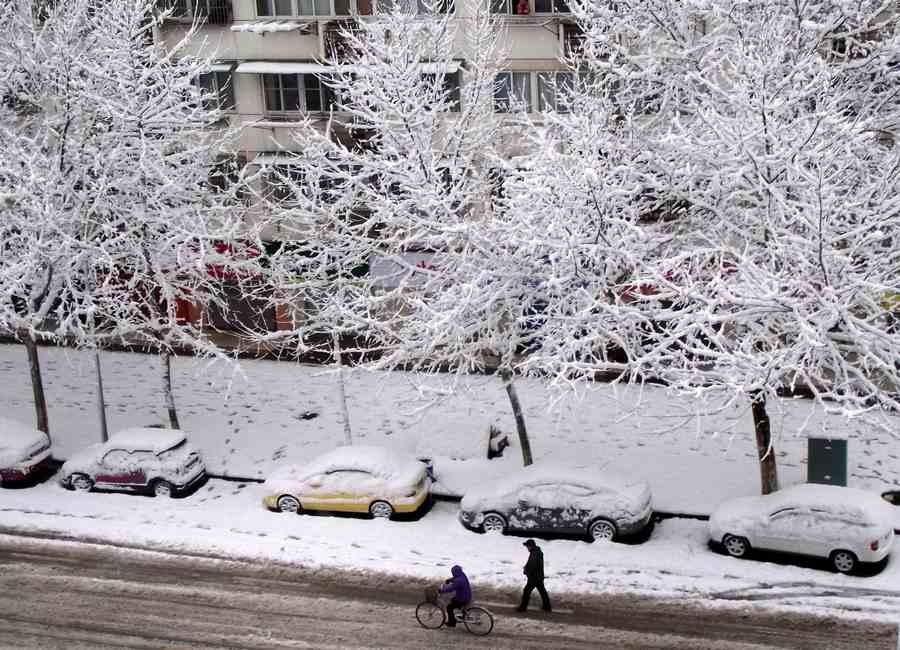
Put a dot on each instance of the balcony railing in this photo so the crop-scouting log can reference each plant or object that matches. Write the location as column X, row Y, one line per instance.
column 213, row 12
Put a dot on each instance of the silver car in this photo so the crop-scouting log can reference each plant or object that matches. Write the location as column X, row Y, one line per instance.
column 844, row 525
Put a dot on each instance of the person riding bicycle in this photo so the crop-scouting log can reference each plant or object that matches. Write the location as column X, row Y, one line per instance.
column 458, row 584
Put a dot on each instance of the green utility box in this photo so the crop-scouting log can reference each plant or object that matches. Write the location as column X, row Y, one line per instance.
column 827, row 461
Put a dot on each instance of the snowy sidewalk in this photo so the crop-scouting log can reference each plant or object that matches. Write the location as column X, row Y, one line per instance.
column 248, row 421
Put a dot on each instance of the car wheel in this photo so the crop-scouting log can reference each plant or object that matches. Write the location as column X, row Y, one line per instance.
column 381, row 509
column 843, row 561
column 81, row 483
column 163, row 489
column 493, row 524
column 602, row 531
column 288, row 503
column 736, row 546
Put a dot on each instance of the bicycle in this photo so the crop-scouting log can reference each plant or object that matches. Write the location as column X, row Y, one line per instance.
column 431, row 615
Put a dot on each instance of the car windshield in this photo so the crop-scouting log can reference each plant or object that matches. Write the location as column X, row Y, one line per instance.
column 173, row 451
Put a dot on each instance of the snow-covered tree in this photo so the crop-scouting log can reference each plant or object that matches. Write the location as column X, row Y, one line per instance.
column 109, row 216
column 386, row 204
column 762, row 172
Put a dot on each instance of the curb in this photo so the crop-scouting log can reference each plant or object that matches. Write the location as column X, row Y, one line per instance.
column 235, row 479
column 659, row 515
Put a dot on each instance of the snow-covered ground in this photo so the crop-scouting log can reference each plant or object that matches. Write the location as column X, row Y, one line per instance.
column 227, row 519
column 248, row 423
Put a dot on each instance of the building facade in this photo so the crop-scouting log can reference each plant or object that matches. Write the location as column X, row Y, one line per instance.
column 267, row 55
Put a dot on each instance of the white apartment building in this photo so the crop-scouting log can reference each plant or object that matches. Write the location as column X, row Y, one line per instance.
column 267, row 54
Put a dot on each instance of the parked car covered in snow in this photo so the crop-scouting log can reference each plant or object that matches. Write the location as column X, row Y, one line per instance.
column 158, row 461
column 552, row 499
column 24, row 452
column 351, row 479
column 844, row 525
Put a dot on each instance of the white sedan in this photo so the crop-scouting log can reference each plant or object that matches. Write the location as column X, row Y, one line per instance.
column 845, row 525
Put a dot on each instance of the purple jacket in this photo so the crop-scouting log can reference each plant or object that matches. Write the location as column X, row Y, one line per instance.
column 459, row 585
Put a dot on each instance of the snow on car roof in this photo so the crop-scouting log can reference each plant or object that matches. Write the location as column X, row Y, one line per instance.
column 15, row 435
column 550, row 473
column 365, row 458
column 833, row 498
column 148, row 439
column 380, row 462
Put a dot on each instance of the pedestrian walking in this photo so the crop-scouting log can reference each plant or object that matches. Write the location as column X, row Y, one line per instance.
column 534, row 575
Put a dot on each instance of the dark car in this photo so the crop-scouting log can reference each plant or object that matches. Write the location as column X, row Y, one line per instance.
column 24, row 452
column 559, row 500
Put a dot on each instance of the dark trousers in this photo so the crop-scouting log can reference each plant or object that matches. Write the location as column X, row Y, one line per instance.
column 530, row 586
column 451, row 617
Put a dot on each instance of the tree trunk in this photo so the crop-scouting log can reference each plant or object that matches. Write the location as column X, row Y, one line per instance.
column 768, row 471
column 342, row 390
column 101, row 401
column 167, row 389
column 37, row 384
column 507, row 377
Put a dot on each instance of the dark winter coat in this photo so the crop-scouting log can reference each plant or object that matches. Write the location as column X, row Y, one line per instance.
column 534, row 567
column 459, row 585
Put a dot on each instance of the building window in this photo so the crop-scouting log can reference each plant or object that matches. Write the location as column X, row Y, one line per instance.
column 282, row 92
column 512, row 92
column 348, row 7
column 275, row 7
column 555, row 90
column 426, row 7
column 449, row 90
column 314, row 8
column 296, row 92
column 215, row 11
column 423, row 7
column 574, row 40
column 218, row 90
column 526, row 7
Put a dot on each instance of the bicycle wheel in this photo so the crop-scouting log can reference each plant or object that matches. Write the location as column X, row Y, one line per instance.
column 478, row 621
column 430, row 615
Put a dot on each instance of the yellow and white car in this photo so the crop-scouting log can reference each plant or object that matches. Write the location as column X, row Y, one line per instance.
column 350, row 479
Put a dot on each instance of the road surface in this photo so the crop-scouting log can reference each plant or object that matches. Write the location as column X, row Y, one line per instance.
column 83, row 596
